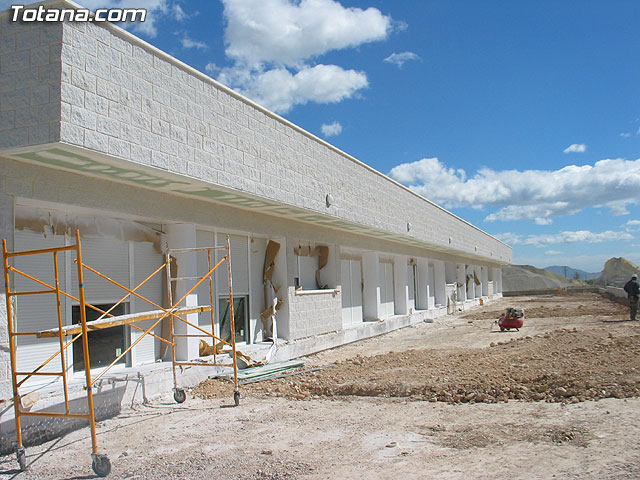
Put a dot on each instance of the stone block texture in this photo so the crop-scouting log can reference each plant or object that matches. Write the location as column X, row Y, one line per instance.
column 314, row 314
column 30, row 72
column 123, row 98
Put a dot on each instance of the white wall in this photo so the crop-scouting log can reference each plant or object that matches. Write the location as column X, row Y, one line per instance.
column 138, row 104
column 29, row 83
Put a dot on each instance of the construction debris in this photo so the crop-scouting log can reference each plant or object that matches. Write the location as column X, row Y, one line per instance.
column 558, row 363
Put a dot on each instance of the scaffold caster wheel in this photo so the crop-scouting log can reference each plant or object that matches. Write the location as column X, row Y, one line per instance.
column 236, row 398
column 22, row 458
column 101, row 465
column 179, row 395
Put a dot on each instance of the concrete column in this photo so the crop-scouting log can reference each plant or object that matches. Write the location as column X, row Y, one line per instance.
column 6, row 231
column 471, row 285
column 432, row 288
column 497, row 277
column 184, row 236
column 370, row 290
column 478, row 275
column 283, row 317
column 400, row 287
column 422, row 295
column 461, row 281
column 484, row 279
column 439, row 279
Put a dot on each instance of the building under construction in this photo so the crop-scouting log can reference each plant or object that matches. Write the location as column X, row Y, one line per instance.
column 103, row 133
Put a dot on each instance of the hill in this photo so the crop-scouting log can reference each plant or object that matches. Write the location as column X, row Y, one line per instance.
column 526, row 277
column 617, row 271
column 571, row 273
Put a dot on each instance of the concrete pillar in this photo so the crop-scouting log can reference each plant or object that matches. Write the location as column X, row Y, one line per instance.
column 484, row 279
column 439, row 279
column 7, row 207
column 400, row 287
column 471, row 285
column 183, row 235
column 461, row 281
column 432, row 287
column 370, row 288
column 477, row 288
column 422, row 295
column 497, row 277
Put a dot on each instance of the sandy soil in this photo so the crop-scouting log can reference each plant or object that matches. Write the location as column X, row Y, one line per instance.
column 455, row 399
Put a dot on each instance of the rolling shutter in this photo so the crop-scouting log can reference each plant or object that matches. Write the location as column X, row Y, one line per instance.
column 239, row 265
column 146, row 260
column 39, row 312
column 110, row 257
column 206, row 239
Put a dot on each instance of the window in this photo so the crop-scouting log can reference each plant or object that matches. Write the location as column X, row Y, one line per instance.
column 307, row 268
column 240, row 317
column 313, row 270
column 104, row 345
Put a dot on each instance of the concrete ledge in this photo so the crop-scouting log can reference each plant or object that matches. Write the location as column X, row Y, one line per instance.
column 616, row 292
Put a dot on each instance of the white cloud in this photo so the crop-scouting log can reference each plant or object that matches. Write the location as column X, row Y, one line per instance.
column 579, row 236
column 400, row 59
column 632, row 225
column 576, row 148
column 211, row 68
column 331, row 129
column 272, row 41
column 625, row 134
column 286, row 32
column 188, row 42
column 178, row 13
column 537, row 195
column 279, row 89
column 553, row 252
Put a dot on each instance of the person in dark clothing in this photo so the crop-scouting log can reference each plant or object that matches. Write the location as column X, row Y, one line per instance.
column 632, row 287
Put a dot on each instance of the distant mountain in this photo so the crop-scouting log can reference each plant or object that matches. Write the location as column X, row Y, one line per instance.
column 617, row 271
column 570, row 273
column 517, row 278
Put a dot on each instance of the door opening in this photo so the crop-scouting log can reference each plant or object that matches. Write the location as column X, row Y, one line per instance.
column 104, row 345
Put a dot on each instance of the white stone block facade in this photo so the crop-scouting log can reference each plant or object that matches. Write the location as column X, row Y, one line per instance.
column 95, row 122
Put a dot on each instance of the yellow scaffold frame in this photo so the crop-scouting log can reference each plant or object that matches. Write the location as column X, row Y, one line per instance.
column 100, row 462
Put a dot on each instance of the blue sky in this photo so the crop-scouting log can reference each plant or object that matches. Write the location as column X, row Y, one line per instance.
column 520, row 117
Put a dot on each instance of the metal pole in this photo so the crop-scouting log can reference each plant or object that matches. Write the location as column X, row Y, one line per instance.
column 12, row 347
column 213, row 327
column 233, row 325
column 60, row 335
column 85, row 346
column 170, row 299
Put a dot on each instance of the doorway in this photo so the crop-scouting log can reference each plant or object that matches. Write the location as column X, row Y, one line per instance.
column 104, row 345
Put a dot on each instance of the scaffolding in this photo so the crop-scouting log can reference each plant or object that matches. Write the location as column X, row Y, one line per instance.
column 80, row 332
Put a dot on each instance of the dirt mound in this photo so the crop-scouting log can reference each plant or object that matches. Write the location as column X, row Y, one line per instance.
column 565, row 366
column 617, row 271
column 519, row 278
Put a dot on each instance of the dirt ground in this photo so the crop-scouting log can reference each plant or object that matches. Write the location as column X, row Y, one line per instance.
column 453, row 399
